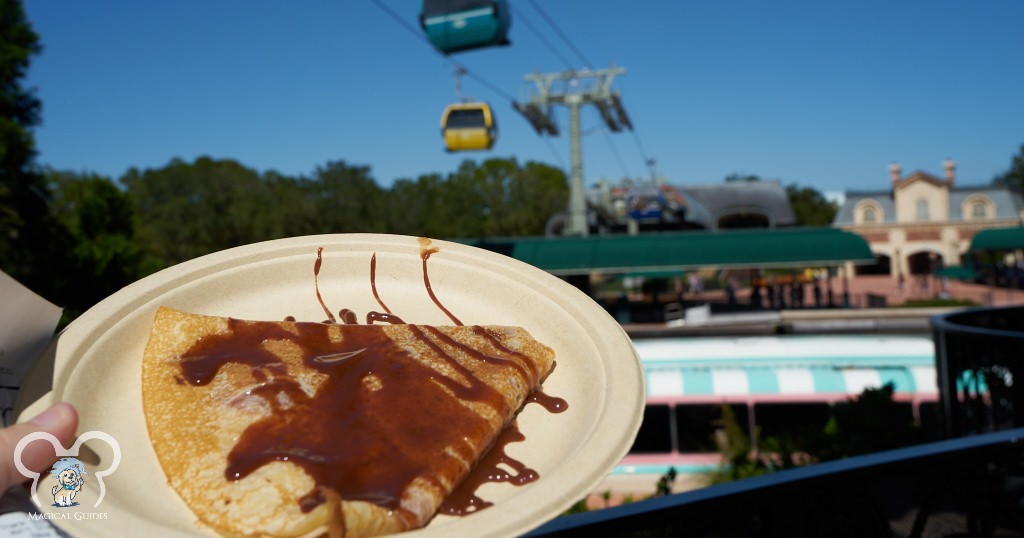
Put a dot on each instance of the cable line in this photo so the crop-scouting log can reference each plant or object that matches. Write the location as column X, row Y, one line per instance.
column 458, row 66
column 554, row 151
column 643, row 154
column 405, row 24
column 540, row 36
column 615, row 152
column 462, row 70
column 561, row 34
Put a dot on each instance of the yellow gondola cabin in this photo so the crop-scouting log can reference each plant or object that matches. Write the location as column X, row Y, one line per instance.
column 468, row 126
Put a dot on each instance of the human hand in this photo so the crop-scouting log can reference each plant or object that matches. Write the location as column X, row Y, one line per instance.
column 60, row 420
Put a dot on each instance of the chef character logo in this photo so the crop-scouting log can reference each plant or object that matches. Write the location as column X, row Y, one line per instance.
column 68, row 470
column 70, row 474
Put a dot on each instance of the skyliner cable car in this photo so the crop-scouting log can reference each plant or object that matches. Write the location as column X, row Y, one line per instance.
column 469, row 126
column 457, row 25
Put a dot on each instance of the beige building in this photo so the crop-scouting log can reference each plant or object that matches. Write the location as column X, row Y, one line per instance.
column 922, row 222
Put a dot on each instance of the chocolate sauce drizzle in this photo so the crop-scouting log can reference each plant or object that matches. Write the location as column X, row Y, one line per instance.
column 425, row 251
column 352, row 444
column 316, row 284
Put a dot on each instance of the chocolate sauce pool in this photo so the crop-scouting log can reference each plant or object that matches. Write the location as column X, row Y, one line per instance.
column 352, row 442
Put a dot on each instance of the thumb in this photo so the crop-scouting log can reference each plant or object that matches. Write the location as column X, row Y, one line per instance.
column 60, row 420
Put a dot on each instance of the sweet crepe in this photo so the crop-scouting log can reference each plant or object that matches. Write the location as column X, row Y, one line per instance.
column 301, row 429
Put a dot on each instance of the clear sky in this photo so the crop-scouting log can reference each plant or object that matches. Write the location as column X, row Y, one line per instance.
column 819, row 93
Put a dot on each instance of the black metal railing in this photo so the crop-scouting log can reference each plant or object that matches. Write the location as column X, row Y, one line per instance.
column 971, row 486
column 980, row 364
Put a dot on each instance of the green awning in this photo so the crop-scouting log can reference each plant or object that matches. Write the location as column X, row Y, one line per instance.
column 999, row 239
column 957, row 272
column 749, row 248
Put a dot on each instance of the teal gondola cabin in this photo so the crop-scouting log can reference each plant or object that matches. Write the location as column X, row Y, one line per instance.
column 458, row 25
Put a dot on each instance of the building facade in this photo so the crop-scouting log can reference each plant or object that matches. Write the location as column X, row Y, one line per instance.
column 922, row 222
column 642, row 206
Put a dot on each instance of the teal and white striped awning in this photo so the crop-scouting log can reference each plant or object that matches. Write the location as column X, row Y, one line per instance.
column 733, row 381
column 787, row 365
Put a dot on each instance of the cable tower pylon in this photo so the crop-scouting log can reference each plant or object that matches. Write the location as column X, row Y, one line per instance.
column 574, row 89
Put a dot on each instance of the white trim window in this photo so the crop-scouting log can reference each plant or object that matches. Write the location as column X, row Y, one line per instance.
column 868, row 212
column 921, row 210
column 978, row 207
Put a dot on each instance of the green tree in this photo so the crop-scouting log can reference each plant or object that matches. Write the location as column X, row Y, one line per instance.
column 471, row 198
column 500, row 198
column 1013, row 177
column 31, row 242
column 287, row 208
column 346, row 199
column 497, row 197
column 99, row 221
column 870, row 423
column 417, row 207
column 539, row 191
column 810, row 207
column 187, row 210
column 736, row 449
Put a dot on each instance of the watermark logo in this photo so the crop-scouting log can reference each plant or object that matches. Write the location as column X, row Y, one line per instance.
column 68, row 470
column 70, row 474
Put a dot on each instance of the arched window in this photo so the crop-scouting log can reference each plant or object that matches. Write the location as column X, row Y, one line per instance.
column 868, row 212
column 922, row 209
column 979, row 210
column 978, row 207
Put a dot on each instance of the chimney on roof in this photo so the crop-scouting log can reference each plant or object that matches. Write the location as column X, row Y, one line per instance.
column 950, row 166
column 894, row 173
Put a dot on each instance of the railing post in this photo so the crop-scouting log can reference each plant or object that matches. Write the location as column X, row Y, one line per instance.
column 989, row 343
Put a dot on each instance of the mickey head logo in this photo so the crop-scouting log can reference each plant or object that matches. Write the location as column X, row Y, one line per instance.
column 62, row 452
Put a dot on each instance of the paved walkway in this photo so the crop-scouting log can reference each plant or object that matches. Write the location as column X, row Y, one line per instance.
column 888, row 287
column 913, row 290
column 861, row 317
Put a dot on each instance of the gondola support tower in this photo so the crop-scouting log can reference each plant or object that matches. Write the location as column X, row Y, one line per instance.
column 575, row 88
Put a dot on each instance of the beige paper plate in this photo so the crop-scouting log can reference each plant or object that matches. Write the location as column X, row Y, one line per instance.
column 97, row 367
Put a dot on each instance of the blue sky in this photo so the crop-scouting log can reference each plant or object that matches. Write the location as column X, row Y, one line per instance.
column 818, row 93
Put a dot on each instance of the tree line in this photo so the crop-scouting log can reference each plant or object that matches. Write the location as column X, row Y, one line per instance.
column 92, row 235
column 113, row 233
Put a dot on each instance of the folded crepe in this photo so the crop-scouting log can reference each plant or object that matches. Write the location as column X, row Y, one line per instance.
column 303, row 429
